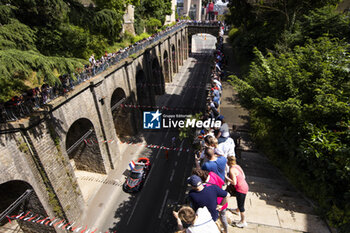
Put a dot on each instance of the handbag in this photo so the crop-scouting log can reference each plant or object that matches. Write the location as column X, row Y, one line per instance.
column 231, row 190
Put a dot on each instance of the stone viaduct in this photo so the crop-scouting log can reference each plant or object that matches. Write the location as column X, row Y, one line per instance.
column 41, row 153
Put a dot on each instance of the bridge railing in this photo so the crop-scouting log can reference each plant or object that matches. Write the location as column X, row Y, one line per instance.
column 212, row 24
column 34, row 100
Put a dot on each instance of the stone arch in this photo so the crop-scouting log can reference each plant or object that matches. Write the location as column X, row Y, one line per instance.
column 201, row 46
column 13, row 191
column 83, row 148
column 212, row 30
column 143, row 89
column 180, row 52
column 173, row 58
column 158, row 77
column 122, row 117
column 166, row 66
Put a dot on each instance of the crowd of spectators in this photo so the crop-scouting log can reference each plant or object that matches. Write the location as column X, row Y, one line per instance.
column 216, row 175
column 36, row 98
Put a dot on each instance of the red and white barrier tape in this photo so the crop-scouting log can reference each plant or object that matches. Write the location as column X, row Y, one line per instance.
column 53, row 222
column 159, row 107
column 175, row 85
column 151, row 146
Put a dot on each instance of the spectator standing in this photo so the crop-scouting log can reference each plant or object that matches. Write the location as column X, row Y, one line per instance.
column 214, row 164
column 197, row 222
column 210, row 178
column 236, row 177
column 201, row 196
column 226, row 147
column 224, row 130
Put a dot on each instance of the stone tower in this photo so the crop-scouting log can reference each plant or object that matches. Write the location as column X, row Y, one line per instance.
column 128, row 25
column 171, row 18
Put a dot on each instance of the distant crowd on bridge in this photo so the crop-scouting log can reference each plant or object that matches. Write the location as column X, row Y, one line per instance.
column 216, row 175
column 35, row 99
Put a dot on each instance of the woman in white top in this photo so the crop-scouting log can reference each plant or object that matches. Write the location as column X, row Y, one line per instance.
column 198, row 222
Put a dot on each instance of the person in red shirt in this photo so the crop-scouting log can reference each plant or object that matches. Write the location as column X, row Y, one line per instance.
column 236, row 177
column 166, row 154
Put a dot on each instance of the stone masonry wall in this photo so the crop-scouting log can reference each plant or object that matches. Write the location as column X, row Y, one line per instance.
column 17, row 163
column 58, row 170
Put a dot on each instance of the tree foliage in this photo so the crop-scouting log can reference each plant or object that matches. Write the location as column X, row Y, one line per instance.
column 16, row 66
column 297, row 88
column 39, row 33
column 300, row 113
column 150, row 10
column 107, row 23
column 39, row 12
column 16, row 35
column 152, row 24
column 34, row 34
column 266, row 24
column 116, row 5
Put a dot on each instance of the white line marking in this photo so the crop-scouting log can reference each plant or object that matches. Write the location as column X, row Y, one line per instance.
column 132, row 212
column 172, row 175
column 175, row 163
column 158, row 153
column 178, row 153
column 163, row 205
column 149, row 174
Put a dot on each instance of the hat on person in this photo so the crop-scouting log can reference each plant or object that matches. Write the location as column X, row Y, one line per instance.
column 194, row 181
column 220, row 117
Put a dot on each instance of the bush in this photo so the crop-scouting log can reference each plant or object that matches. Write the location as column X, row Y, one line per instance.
column 232, row 33
column 140, row 37
column 139, row 25
column 128, row 37
column 152, row 25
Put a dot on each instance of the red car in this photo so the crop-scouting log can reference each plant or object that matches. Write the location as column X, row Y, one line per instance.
column 137, row 176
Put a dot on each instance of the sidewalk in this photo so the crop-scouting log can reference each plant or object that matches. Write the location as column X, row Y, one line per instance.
column 272, row 204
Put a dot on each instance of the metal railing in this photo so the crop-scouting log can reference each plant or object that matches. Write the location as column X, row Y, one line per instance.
column 35, row 99
column 80, row 140
column 15, row 204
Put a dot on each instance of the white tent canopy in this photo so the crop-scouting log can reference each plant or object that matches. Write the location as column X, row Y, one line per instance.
column 220, row 7
column 220, row 3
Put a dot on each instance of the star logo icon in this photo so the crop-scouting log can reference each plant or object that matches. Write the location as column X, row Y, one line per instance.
column 156, row 115
column 152, row 120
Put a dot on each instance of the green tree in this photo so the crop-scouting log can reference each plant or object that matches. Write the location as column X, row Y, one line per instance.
column 17, row 35
column 157, row 9
column 326, row 20
column 107, row 23
column 265, row 24
column 17, row 67
column 299, row 103
column 40, row 12
column 117, row 5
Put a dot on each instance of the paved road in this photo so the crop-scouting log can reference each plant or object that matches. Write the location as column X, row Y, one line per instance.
column 148, row 210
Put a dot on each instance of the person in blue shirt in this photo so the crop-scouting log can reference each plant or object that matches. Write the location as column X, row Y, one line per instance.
column 214, row 164
column 201, row 196
column 216, row 100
